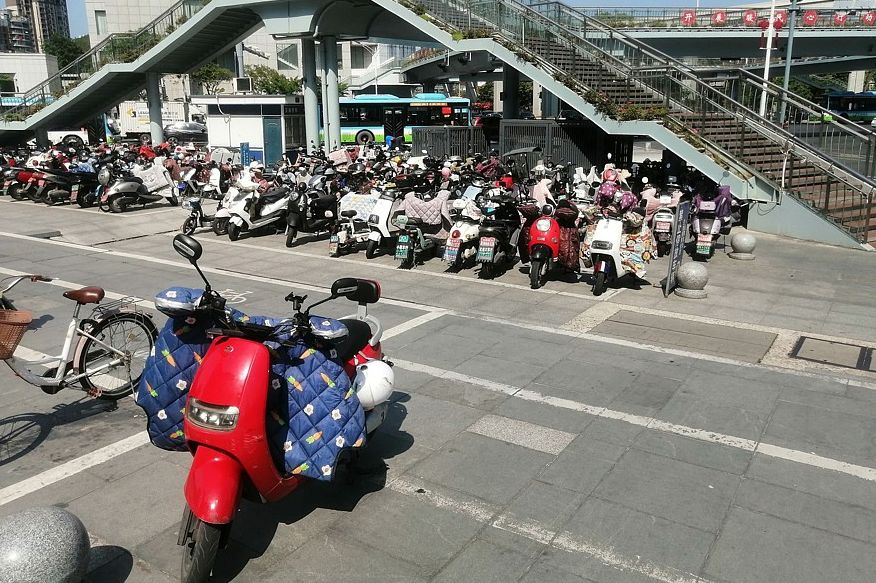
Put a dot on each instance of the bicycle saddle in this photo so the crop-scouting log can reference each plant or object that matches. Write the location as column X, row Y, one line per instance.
column 86, row 295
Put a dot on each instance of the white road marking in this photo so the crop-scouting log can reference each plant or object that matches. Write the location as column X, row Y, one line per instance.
column 96, row 212
column 539, row 533
column 70, row 285
column 863, row 472
column 523, row 433
column 71, row 468
column 790, row 368
column 413, row 323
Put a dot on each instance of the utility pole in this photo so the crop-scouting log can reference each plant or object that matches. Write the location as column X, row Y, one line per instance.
column 792, row 20
column 769, row 49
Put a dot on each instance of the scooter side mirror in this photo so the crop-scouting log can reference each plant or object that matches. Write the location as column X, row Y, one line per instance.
column 188, row 247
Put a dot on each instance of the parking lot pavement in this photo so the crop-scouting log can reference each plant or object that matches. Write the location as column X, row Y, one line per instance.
column 523, row 443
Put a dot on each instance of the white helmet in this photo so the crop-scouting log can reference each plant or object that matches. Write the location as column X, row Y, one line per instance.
column 373, row 383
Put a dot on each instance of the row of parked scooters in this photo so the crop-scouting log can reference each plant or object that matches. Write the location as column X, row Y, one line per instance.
column 482, row 210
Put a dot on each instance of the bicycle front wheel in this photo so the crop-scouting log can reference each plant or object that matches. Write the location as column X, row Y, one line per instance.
column 132, row 334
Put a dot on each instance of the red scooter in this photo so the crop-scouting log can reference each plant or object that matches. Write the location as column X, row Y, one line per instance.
column 542, row 243
column 225, row 415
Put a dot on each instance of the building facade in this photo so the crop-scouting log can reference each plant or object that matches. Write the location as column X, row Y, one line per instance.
column 47, row 18
column 16, row 34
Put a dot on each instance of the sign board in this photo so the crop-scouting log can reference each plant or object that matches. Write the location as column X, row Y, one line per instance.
column 245, row 157
column 679, row 237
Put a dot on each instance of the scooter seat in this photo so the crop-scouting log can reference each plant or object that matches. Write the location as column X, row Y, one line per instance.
column 358, row 335
column 274, row 195
column 348, row 214
column 493, row 231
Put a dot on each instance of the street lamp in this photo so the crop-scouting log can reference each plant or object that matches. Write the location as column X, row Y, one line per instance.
column 792, row 20
column 769, row 48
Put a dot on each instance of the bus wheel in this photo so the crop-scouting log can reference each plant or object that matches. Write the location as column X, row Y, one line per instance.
column 364, row 137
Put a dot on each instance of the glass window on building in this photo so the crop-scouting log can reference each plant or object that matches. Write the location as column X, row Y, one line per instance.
column 287, row 57
column 100, row 21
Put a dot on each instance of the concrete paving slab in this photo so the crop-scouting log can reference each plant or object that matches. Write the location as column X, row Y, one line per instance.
column 692, row 451
column 732, row 390
column 848, row 520
column 506, row 370
column 729, row 419
column 819, row 482
column 779, row 550
column 462, row 394
column 633, row 537
column 543, row 570
column 529, row 435
column 482, row 561
column 577, row 471
column 572, row 422
column 681, row 492
column 415, row 413
column 648, row 394
column 489, row 469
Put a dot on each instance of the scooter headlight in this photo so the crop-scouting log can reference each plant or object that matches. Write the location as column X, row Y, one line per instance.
column 103, row 177
column 209, row 416
column 603, row 245
column 543, row 225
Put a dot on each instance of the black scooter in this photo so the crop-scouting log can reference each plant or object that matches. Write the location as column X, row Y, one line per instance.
column 499, row 234
column 310, row 211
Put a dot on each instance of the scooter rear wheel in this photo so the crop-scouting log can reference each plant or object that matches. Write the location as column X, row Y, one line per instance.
column 199, row 551
column 118, row 204
column 220, row 226
column 233, row 231
column 16, row 192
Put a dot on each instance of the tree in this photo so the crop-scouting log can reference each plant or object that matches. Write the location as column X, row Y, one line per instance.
column 485, row 92
column 268, row 81
column 210, row 76
column 64, row 48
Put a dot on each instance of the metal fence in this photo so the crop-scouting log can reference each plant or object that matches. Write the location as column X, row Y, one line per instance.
column 579, row 145
column 449, row 140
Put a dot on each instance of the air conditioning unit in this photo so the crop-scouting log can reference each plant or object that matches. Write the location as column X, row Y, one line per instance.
column 243, row 84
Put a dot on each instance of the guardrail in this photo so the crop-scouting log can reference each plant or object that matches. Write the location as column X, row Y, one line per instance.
column 116, row 48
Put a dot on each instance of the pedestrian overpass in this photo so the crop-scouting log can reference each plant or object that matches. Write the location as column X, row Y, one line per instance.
column 809, row 176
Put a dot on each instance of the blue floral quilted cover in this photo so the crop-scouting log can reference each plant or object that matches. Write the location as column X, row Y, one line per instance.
column 313, row 412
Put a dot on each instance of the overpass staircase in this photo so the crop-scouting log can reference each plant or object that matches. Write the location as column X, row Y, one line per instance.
column 797, row 147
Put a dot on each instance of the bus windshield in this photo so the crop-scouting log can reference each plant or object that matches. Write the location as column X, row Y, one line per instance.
column 374, row 118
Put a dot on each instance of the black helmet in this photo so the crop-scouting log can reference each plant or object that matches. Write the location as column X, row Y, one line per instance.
column 357, row 168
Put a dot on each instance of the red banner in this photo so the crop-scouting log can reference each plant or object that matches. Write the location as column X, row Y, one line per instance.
column 689, row 17
column 749, row 17
column 719, row 18
column 840, row 18
column 869, row 18
column 810, row 17
column 781, row 18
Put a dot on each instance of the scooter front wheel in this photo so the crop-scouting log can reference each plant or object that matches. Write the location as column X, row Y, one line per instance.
column 189, row 226
column 535, row 269
column 220, row 227
column 200, row 547
column 599, row 284
column 291, row 233
column 371, row 249
column 233, row 231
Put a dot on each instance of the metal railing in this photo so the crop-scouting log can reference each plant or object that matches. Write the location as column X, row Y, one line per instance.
column 589, row 57
column 449, row 140
column 116, row 48
column 717, row 18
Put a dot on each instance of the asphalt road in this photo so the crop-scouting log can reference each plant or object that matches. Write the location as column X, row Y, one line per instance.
column 533, row 435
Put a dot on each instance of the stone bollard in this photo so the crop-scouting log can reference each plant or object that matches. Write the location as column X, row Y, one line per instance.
column 691, row 281
column 743, row 245
column 43, row 544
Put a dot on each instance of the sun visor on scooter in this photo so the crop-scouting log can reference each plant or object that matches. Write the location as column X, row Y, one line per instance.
column 328, row 329
column 178, row 301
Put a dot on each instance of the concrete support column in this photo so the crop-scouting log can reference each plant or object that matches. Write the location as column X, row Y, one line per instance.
column 550, row 104
column 536, row 100
column 511, row 97
column 471, row 91
column 153, row 98
column 856, row 81
column 429, row 86
column 497, row 96
column 320, row 65
column 331, row 96
column 311, row 93
column 42, row 137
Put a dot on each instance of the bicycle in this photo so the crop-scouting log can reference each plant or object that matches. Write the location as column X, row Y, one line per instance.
column 105, row 353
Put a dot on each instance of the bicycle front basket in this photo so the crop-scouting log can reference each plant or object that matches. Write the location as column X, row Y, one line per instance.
column 13, row 325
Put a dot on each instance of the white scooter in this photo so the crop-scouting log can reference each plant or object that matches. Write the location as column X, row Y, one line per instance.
column 255, row 210
column 383, row 228
column 605, row 252
column 352, row 229
column 462, row 244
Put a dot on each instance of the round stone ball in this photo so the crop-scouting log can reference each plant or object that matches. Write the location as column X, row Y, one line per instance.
column 743, row 242
column 692, row 276
column 38, row 545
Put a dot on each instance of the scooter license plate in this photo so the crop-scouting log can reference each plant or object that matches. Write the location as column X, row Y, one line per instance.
column 402, row 247
column 7, row 183
column 333, row 244
column 662, row 227
column 451, row 250
column 486, row 249
column 707, row 205
column 704, row 244
column 74, row 192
